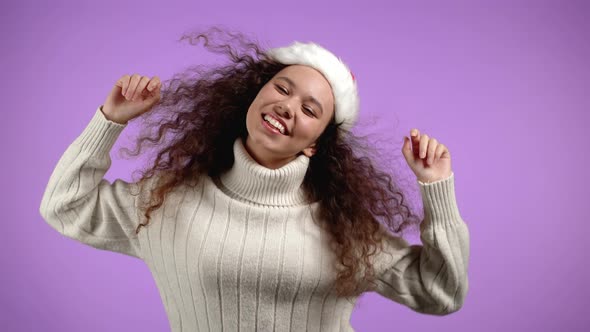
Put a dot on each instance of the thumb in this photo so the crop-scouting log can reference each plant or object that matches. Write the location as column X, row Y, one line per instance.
column 407, row 150
column 116, row 92
column 117, row 88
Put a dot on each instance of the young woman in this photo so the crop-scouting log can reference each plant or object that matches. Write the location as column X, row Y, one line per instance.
column 262, row 210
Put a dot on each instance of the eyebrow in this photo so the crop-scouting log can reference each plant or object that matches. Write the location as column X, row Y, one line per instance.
column 313, row 100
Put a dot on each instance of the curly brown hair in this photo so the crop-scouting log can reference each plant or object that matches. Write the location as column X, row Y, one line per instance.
column 206, row 113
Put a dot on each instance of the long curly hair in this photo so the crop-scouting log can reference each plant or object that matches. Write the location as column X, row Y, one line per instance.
column 205, row 113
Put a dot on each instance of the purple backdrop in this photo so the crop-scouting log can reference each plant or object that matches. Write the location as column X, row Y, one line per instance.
column 504, row 85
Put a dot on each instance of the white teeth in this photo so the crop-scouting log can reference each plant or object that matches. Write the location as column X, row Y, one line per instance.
column 275, row 123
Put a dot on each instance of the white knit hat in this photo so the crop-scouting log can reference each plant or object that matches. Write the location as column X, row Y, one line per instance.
column 341, row 79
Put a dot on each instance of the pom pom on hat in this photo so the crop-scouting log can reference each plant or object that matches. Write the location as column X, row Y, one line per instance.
column 337, row 73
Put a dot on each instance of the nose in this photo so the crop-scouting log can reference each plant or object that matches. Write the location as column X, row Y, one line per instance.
column 284, row 109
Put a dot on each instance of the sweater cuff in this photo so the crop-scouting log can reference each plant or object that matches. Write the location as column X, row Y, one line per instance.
column 100, row 135
column 439, row 200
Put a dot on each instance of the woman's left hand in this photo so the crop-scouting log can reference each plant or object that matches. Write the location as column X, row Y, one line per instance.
column 429, row 159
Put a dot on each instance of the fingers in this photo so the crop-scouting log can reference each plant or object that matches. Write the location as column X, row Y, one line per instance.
column 419, row 143
column 440, row 149
column 424, row 142
column 124, row 81
column 407, row 150
column 143, row 82
column 132, row 87
column 425, row 147
column 432, row 144
column 155, row 82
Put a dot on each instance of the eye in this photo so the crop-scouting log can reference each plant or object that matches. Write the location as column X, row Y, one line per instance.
column 281, row 89
column 309, row 110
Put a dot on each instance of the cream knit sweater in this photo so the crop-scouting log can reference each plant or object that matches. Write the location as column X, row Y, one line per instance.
column 244, row 253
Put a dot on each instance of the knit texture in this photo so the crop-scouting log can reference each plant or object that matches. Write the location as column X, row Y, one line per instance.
column 244, row 252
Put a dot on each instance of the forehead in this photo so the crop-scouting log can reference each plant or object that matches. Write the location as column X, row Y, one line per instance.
column 309, row 81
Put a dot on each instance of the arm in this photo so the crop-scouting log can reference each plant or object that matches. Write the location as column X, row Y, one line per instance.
column 430, row 278
column 80, row 204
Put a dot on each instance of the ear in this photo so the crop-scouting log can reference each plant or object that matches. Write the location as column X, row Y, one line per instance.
column 310, row 150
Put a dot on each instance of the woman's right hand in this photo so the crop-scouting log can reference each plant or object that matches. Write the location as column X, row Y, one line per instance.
column 131, row 97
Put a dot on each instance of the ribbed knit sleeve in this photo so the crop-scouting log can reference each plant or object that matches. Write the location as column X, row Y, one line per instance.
column 430, row 278
column 80, row 204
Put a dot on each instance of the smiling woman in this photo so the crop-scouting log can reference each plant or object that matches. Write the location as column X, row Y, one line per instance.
column 263, row 210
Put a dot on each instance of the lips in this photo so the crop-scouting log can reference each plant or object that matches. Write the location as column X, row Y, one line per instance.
column 280, row 121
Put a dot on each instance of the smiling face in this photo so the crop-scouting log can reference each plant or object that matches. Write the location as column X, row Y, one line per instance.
column 299, row 99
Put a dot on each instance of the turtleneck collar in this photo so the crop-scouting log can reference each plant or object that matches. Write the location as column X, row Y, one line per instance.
column 249, row 181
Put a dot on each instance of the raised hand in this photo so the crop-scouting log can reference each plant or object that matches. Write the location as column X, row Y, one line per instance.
column 429, row 159
column 130, row 97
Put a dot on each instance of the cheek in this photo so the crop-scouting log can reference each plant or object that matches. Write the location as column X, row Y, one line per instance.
column 252, row 115
column 263, row 99
column 310, row 129
column 257, row 103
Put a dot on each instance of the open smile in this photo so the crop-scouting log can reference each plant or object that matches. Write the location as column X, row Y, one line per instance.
column 271, row 127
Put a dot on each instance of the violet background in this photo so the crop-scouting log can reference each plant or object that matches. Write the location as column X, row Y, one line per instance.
column 504, row 84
